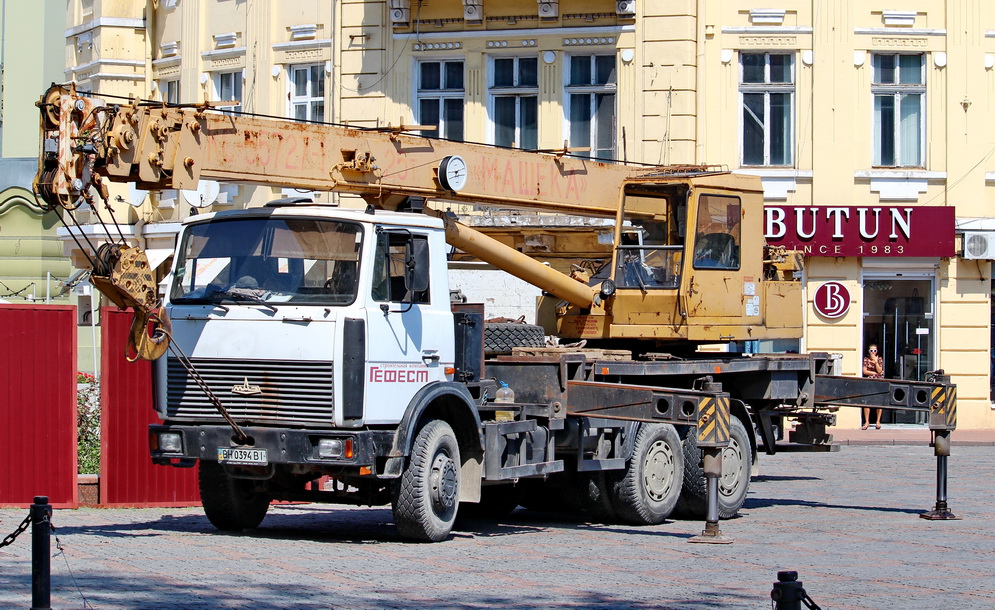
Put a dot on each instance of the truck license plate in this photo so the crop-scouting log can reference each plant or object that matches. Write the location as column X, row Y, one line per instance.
column 242, row 456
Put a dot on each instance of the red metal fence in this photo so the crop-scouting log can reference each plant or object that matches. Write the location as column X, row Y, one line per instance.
column 38, row 404
column 127, row 475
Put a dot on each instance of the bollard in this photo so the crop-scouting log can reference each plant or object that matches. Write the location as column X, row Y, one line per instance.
column 41, row 556
column 789, row 594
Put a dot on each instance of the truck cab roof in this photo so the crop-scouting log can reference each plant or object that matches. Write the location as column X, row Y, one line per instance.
column 324, row 211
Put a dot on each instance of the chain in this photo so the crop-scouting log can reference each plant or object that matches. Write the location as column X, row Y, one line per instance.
column 20, row 530
column 62, row 551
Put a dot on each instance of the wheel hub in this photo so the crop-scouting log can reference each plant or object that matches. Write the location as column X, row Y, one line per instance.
column 658, row 471
column 443, row 481
column 732, row 468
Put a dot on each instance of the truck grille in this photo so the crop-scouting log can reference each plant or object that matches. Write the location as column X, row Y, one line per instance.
column 290, row 393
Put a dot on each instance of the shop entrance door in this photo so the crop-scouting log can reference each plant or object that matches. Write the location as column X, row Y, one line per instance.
column 899, row 318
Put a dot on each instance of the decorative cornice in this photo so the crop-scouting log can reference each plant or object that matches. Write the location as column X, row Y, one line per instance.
column 767, row 16
column 110, row 76
column 106, row 22
column 916, row 174
column 14, row 196
column 518, row 33
column 898, row 32
column 167, row 62
column 133, row 63
column 304, row 31
column 223, row 54
column 304, row 44
column 749, row 29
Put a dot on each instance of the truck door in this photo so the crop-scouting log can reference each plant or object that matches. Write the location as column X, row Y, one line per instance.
column 407, row 330
column 719, row 285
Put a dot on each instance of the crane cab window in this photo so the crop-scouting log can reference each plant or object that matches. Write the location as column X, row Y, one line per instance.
column 651, row 246
column 717, row 232
column 394, row 254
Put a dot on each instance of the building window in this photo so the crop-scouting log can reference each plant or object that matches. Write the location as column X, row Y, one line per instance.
column 228, row 88
column 307, row 92
column 170, row 91
column 767, row 87
column 515, row 101
column 591, row 89
column 440, row 98
column 899, row 88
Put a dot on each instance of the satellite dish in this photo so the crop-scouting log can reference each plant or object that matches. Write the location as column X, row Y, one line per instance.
column 206, row 194
column 136, row 196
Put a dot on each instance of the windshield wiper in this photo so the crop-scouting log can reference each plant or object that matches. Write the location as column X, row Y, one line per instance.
column 241, row 297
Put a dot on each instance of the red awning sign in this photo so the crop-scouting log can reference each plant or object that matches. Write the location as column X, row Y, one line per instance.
column 926, row 231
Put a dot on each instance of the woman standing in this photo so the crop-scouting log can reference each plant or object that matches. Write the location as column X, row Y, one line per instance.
column 874, row 369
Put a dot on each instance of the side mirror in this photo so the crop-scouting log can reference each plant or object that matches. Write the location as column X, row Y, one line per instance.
column 417, row 266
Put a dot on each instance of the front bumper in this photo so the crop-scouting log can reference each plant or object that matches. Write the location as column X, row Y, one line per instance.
column 283, row 445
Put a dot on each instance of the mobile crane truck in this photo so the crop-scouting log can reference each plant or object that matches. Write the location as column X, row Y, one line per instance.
column 307, row 342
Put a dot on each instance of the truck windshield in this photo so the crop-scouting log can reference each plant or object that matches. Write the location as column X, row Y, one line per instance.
column 268, row 260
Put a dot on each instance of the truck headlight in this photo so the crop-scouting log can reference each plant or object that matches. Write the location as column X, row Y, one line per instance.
column 335, row 448
column 171, row 442
column 330, row 448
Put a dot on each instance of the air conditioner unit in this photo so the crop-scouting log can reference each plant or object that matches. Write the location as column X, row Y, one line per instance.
column 979, row 245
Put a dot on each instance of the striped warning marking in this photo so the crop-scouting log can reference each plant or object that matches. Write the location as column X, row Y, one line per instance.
column 713, row 420
column 944, row 407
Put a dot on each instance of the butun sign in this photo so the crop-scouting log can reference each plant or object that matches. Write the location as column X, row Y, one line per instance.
column 861, row 231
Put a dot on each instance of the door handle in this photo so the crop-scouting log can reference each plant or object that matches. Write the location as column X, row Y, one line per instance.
column 429, row 357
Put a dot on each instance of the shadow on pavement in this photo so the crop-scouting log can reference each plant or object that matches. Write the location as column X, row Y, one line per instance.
column 103, row 590
column 303, row 522
column 774, row 502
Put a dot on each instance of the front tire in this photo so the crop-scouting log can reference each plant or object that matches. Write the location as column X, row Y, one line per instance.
column 231, row 504
column 737, row 459
column 646, row 492
column 426, row 497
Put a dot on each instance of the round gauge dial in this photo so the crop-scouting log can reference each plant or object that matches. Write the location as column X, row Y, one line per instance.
column 452, row 173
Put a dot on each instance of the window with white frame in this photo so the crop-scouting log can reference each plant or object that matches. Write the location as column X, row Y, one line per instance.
column 591, row 86
column 898, row 85
column 767, row 90
column 228, row 88
column 514, row 93
column 440, row 98
column 170, row 91
column 307, row 92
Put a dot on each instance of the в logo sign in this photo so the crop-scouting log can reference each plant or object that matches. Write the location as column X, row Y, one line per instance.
column 832, row 300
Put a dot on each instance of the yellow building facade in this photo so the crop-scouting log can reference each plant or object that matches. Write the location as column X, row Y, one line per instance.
column 877, row 111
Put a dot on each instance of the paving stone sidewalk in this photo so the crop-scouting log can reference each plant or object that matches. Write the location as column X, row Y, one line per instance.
column 846, row 521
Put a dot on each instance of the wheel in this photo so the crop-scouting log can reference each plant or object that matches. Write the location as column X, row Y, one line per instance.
column 426, row 496
column 230, row 503
column 496, row 501
column 733, row 484
column 501, row 337
column 646, row 492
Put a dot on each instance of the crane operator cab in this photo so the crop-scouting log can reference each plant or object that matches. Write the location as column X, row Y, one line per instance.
column 688, row 265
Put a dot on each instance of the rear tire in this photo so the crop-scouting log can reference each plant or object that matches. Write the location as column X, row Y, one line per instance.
column 426, row 497
column 229, row 503
column 734, row 483
column 646, row 492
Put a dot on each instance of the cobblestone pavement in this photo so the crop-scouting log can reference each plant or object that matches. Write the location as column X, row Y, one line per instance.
column 847, row 522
